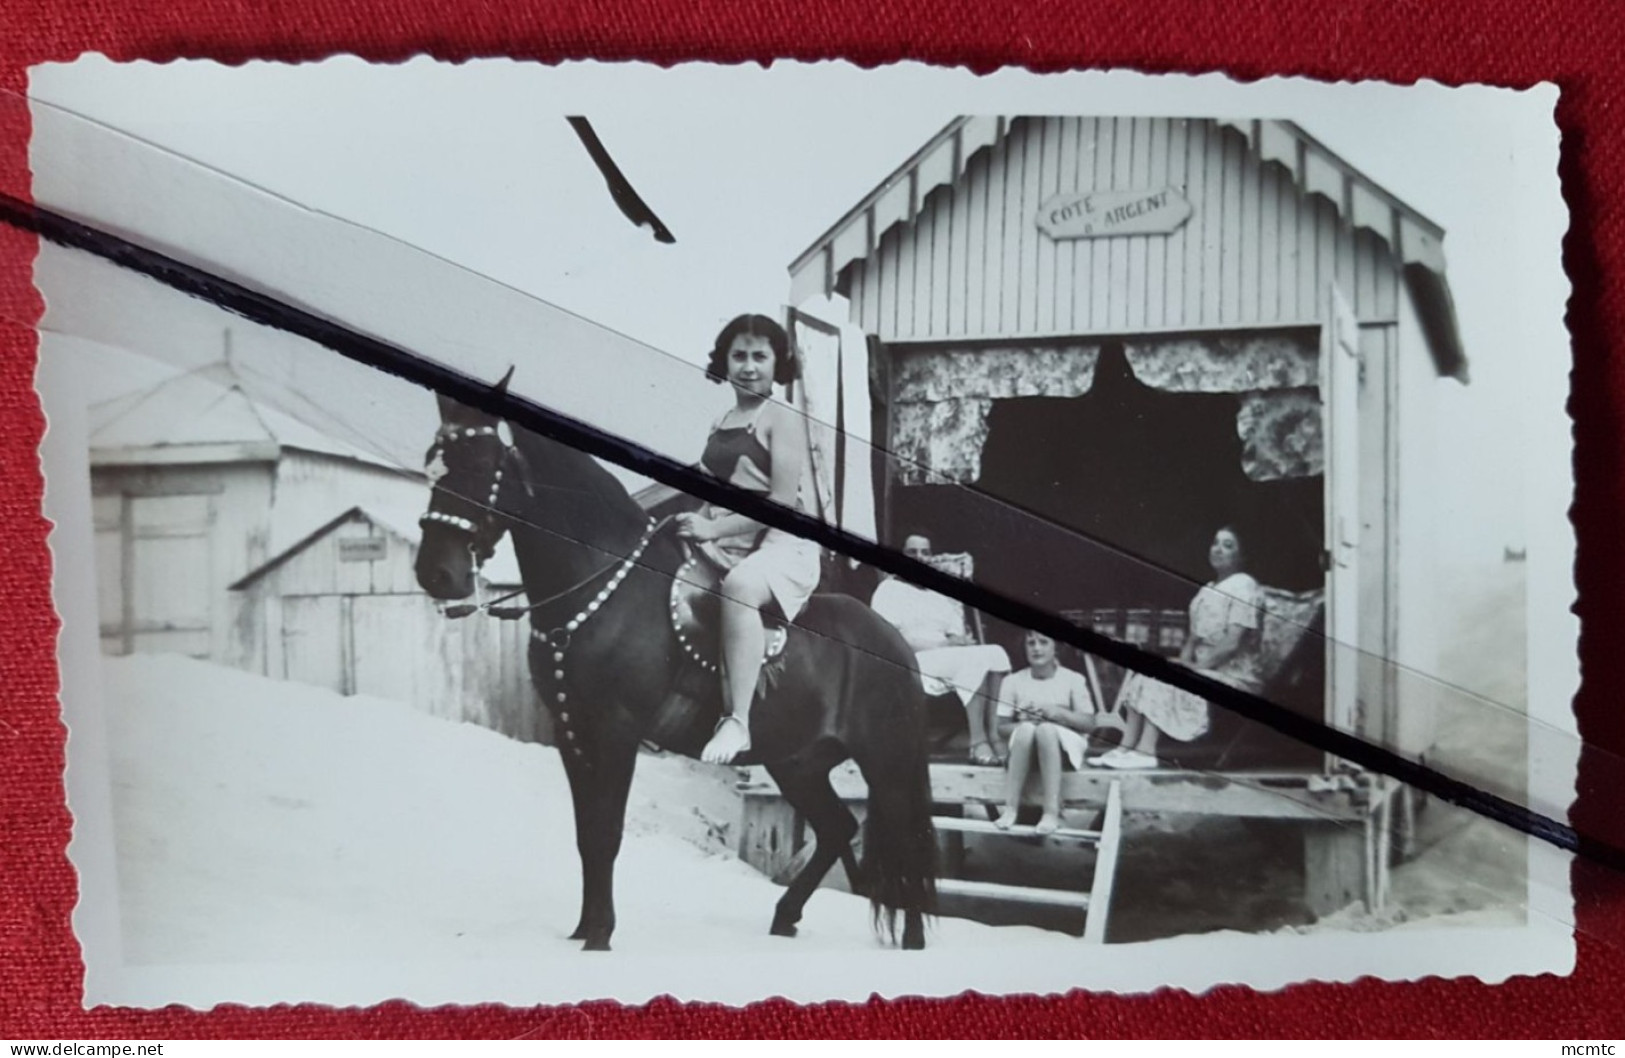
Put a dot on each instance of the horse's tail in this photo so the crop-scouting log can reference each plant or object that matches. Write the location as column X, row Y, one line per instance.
column 899, row 841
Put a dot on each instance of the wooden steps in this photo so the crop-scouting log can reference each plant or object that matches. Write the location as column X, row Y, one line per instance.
column 1095, row 900
column 982, row 826
column 1024, row 894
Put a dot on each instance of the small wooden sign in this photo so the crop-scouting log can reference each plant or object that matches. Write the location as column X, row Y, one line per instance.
column 363, row 549
column 1102, row 214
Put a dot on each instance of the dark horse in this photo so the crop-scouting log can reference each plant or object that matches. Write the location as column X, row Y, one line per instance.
column 606, row 661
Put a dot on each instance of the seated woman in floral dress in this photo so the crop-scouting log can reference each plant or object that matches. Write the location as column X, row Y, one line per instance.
column 1225, row 623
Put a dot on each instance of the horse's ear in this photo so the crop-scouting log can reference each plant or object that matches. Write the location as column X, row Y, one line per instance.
column 450, row 410
column 502, row 383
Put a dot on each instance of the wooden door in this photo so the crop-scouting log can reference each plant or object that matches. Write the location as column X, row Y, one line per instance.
column 168, row 575
column 315, row 648
column 398, row 655
column 1339, row 394
column 109, row 516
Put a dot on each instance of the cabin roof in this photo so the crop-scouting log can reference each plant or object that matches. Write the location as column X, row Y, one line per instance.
column 501, row 570
column 1416, row 240
column 205, row 415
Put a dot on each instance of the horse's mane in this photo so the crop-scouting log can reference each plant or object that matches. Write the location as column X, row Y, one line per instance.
column 586, row 498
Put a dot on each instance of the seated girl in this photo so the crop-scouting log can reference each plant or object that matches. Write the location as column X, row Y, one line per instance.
column 1225, row 619
column 1045, row 711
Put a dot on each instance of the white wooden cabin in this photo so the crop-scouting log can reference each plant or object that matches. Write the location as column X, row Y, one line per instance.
column 195, row 482
column 342, row 609
column 1144, row 329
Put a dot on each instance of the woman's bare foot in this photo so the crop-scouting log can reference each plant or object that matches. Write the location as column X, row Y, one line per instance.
column 1006, row 820
column 731, row 739
column 1048, row 823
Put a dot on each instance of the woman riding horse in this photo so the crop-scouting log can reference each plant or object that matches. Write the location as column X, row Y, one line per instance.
column 606, row 662
column 760, row 446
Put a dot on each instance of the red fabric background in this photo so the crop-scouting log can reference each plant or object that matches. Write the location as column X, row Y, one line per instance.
column 1510, row 42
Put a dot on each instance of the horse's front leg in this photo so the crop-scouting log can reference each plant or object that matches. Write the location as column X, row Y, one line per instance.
column 600, row 780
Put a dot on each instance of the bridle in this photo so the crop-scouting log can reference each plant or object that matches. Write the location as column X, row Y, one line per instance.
column 484, row 534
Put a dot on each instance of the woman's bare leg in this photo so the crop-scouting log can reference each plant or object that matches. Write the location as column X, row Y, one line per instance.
column 1049, row 776
column 981, row 718
column 1133, row 725
column 743, row 639
column 1146, row 741
column 1021, row 757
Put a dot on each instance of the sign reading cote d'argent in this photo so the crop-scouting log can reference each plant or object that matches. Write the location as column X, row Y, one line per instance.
column 1099, row 214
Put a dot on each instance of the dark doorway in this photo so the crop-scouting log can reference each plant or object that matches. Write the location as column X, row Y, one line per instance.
column 1150, row 474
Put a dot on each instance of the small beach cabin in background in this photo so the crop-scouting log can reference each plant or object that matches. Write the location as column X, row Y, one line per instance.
column 342, row 609
column 232, row 531
column 1143, row 329
column 196, row 481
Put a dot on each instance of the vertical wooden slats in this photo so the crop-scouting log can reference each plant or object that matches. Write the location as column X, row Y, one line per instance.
column 973, row 191
column 1031, row 189
column 1013, row 206
column 1210, row 284
column 1256, row 251
column 1083, row 264
column 1269, row 243
column 1249, row 267
column 918, row 268
column 1122, row 175
column 1099, row 250
column 992, row 294
column 1308, row 272
column 1156, row 260
column 1141, row 133
column 1179, row 244
column 1045, row 289
column 959, row 253
column 941, row 212
column 1230, row 152
column 1287, row 210
column 1066, row 277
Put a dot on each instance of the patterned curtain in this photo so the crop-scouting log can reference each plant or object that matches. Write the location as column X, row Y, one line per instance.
column 1226, row 364
column 1281, row 434
column 943, row 397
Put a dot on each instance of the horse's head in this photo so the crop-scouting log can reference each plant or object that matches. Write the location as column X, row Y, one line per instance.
column 464, row 521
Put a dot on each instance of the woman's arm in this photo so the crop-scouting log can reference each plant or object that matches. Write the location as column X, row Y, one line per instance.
column 1225, row 646
column 1078, row 713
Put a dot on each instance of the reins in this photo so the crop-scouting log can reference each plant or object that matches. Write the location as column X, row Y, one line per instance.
column 514, row 613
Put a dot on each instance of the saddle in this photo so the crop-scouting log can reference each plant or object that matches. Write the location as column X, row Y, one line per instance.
column 693, row 705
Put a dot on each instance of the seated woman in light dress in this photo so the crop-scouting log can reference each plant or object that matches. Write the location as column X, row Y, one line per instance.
column 1225, row 623
column 950, row 660
column 1045, row 711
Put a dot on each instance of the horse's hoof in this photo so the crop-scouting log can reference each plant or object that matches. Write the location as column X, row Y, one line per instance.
column 911, row 943
column 782, row 929
column 600, row 944
column 579, row 934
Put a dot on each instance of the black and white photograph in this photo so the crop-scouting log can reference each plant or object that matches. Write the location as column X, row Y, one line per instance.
column 380, row 689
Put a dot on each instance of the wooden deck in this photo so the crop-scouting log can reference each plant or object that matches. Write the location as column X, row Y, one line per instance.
column 1256, row 795
column 1346, row 818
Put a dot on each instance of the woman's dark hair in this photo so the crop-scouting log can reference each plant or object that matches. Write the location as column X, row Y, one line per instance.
column 785, row 368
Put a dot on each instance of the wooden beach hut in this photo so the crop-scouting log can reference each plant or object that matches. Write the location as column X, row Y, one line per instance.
column 1143, row 329
column 196, row 481
column 342, row 609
